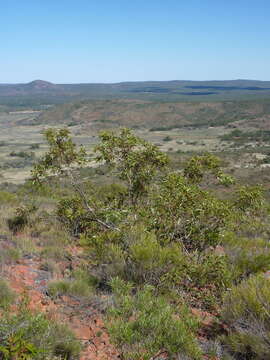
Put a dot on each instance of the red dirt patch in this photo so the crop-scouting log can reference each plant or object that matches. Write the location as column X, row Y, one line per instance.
column 86, row 322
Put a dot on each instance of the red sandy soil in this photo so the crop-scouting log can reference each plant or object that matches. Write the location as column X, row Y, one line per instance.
column 26, row 277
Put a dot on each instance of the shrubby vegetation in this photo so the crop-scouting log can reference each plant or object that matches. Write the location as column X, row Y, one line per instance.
column 23, row 154
column 6, row 294
column 143, row 324
column 75, row 287
column 241, row 136
column 158, row 243
column 29, row 335
column 246, row 311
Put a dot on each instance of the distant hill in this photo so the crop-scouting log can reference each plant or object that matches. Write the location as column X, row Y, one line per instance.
column 40, row 85
column 40, row 92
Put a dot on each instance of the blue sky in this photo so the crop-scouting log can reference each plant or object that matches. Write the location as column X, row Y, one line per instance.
column 109, row 41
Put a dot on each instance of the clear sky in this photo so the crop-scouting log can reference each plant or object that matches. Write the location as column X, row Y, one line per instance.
column 122, row 40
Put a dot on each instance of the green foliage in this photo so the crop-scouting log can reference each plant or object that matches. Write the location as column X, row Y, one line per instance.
column 249, row 198
column 72, row 214
column 10, row 255
column 247, row 255
column 54, row 252
column 107, row 203
column 170, row 236
column 136, row 160
column 143, row 324
column 34, row 146
column 75, row 287
column 23, row 154
column 21, row 219
column 241, row 137
column 184, row 212
column 7, row 197
column 62, row 154
column 208, row 276
column 234, row 134
column 27, row 335
column 112, row 195
column 246, row 311
column 149, row 262
column 6, row 294
column 198, row 166
column 18, row 348
column 138, row 256
column 167, row 138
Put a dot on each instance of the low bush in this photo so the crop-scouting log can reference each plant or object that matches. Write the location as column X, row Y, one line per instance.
column 23, row 154
column 7, row 296
column 10, row 255
column 51, row 266
column 167, row 138
column 208, row 275
column 74, row 287
column 34, row 146
column 27, row 335
column 247, row 255
column 138, row 256
column 56, row 253
column 149, row 262
column 246, row 311
column 21, row 219
column 143, row 324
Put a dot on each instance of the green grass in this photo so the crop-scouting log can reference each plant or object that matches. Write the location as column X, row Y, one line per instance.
column 74, row 287
column 7, row 296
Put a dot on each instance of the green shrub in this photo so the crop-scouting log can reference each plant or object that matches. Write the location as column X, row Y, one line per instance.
column 27, row 335
column 247, row 255
column 54, row 252
column 209, row 276
column 246, row 310
column 51, row 266
column 10, row 255
column 149, row 261
column 7, row 296
column 75, row 287
column 167, row 138
column 23, row 154
column 109, row 257
column 137, row 255
column 34, row 146
column 133, row 254
column 242, row 137
column 53, row 234
column 184, row 212
column 249, row 198
column 143, row 324
column 21, row 219
column 15, row 347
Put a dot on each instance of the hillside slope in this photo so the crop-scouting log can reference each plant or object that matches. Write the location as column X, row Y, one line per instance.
column 96, row 115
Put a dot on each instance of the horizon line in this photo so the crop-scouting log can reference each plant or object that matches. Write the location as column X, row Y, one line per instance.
column 125, row 81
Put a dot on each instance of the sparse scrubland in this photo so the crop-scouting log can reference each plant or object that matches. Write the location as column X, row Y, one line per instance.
column 171, row 251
